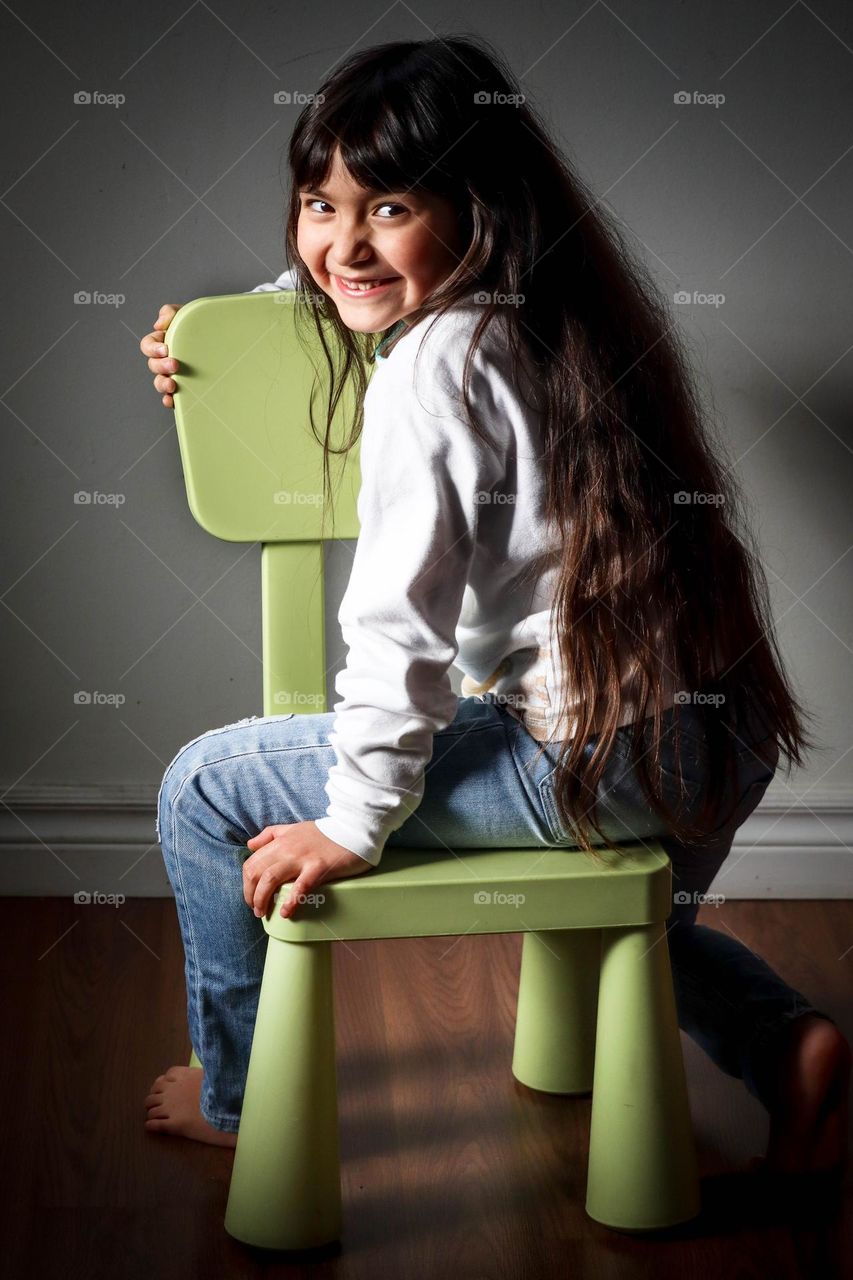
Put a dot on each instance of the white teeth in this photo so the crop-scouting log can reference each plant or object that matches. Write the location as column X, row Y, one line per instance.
column 360, row 285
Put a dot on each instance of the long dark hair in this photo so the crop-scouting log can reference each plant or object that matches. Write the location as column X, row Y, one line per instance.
column 668, row 586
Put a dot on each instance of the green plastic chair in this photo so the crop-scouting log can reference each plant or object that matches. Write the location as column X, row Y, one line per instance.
column 596, row 1009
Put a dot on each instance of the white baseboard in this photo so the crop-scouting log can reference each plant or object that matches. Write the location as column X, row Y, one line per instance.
column 57, row 840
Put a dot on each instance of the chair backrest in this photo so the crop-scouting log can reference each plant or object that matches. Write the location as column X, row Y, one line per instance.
column 253, row 467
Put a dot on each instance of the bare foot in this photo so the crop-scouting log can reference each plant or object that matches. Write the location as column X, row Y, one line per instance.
column 173, row 1107
column 808, row 1121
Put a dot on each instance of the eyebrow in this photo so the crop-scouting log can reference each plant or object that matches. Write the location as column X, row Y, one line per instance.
column 324, row 195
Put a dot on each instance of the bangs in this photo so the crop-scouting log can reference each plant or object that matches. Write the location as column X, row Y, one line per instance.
column 383, row 146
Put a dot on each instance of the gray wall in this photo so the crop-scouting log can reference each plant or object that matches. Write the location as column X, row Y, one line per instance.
column 178, row 192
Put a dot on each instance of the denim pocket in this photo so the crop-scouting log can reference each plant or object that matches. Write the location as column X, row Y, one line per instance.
column 684, row 780
column 552, row 814
column 621, row 800
column 621, row 806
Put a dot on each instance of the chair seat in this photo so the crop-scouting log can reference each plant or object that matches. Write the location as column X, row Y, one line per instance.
column 417, row 893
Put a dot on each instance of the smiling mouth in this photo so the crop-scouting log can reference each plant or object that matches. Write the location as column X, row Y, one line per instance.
column 359, row 288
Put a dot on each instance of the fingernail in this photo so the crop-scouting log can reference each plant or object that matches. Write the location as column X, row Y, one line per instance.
column 161, row 350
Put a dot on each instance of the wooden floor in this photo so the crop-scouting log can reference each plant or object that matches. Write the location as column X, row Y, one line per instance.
column 451, row 1168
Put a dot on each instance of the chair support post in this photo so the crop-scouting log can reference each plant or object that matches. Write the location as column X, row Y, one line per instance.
column 285, row 1185
column 555, row 1022
column 642, row 1159
column 293, row 619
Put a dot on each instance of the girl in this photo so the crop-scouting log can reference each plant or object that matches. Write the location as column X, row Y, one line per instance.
column 539, row 504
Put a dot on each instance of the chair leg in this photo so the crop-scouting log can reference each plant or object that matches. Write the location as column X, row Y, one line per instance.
column 555, row 1022
column 285, row 1188
column 642, row 1158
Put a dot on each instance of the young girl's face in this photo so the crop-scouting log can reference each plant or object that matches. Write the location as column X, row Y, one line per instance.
column 408, row 243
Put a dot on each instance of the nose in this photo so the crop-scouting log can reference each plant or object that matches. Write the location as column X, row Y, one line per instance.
column 351, row 248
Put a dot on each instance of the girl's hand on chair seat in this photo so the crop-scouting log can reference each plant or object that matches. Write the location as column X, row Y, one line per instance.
column 160, row 362
column 297, row 852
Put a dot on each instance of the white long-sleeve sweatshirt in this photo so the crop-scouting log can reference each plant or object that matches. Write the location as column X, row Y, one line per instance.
column 453, row 565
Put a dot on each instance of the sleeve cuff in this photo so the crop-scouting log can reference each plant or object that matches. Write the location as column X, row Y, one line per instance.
column 360, row 843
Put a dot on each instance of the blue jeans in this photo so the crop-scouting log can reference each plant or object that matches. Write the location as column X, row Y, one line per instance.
column 487, row 786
